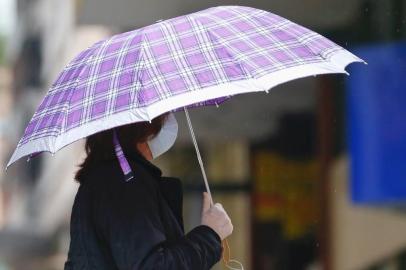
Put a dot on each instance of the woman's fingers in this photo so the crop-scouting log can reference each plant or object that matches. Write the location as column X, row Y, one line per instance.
column 216, row 217
column 206, row 202
column 219, row 205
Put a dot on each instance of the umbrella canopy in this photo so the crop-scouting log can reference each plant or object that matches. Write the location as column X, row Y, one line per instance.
column 198, row 59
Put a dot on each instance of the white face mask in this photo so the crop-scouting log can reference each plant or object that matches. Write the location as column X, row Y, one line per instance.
column 164, row 140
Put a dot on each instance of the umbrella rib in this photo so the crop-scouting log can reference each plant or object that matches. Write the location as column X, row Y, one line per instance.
column 199, row 157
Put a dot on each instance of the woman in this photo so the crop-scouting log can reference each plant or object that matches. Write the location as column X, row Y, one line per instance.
column 137, row 224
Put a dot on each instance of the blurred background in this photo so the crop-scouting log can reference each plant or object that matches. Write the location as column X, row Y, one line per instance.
column 313, row 174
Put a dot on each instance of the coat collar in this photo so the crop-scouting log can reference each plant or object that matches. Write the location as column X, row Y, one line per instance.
column 170, row 187
column 137, row 157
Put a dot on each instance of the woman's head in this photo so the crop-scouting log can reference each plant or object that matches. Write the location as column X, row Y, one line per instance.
column 100, row 146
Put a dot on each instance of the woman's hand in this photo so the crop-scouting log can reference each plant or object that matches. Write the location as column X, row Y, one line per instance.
column 216, row 217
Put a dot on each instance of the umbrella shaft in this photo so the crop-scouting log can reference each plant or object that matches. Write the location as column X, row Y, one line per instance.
column 199, row 157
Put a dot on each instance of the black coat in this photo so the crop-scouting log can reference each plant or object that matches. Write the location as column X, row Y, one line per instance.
column 119, row 225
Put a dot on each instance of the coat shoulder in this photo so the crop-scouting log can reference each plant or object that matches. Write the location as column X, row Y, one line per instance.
column 106, row 180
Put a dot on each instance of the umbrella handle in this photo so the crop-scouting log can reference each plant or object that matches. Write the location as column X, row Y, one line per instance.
column 224, row 243
column 199, row 157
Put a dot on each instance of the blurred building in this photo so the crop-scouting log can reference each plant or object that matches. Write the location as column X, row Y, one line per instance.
column 37, row 195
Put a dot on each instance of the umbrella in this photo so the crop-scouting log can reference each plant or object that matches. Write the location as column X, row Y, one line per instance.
column 198, row 59
column 203, row 58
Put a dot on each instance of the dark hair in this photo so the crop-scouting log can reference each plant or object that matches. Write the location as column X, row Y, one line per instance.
column 99, row 147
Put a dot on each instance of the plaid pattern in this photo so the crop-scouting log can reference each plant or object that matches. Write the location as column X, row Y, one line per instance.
column 185, row 54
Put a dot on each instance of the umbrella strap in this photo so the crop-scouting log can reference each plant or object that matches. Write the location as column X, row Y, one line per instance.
column 226, row 248
column 125, row 166
column 228, row 262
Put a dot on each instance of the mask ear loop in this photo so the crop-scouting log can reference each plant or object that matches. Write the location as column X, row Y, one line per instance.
column 125, row 166
column 227, row 257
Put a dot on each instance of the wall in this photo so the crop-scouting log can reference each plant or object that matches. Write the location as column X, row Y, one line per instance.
column 126, row 13
column 361, row 236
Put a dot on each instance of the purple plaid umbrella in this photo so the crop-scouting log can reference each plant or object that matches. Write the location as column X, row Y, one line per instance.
column 198, row 59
